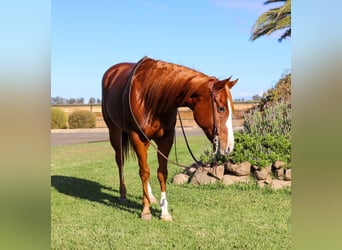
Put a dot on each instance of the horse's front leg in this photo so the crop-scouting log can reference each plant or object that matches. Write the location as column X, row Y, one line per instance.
column 164, row 146
column 144, row 172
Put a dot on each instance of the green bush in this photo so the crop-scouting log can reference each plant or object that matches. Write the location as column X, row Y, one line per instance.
column 261, row 150
column 266, row 137
column 82, row 119
column 58, row 119
column 258, row 150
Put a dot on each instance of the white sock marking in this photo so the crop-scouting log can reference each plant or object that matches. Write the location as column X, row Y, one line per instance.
column 152, row 198
column 164, row 205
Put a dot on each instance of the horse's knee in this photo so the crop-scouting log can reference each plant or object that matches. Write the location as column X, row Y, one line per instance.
column 144, row 174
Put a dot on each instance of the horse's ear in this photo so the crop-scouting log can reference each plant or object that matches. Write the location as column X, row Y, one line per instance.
column 232, row 83
column 221, row 84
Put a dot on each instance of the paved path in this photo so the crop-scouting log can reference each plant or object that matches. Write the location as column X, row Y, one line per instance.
column 78, row 136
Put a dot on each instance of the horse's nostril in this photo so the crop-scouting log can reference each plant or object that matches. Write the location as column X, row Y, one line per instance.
column 228, row 150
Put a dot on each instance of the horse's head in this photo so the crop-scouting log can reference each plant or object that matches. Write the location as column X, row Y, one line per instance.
column 213, row 111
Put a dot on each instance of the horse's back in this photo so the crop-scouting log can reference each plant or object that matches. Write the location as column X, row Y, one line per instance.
column 116, row 75
column 113, row 87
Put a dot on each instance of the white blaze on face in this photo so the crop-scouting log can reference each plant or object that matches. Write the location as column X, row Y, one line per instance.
column 229, row 124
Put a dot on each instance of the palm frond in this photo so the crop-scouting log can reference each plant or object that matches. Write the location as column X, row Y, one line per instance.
column 272, row 20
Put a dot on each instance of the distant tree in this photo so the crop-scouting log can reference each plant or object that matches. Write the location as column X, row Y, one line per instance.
column 80, row 100
column 60, row 100
column 256, row 97
column 91, row 100
column 72, row 101
column 273, row 20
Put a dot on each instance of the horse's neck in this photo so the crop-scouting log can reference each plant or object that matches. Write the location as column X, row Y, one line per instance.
column 183, row 97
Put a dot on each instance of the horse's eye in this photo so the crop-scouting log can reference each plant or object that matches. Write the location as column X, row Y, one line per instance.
column 221, row 109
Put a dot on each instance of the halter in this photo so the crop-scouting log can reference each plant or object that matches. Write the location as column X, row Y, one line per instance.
column 216, row 140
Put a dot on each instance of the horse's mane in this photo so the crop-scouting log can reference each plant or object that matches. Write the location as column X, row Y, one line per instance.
column 166, row 85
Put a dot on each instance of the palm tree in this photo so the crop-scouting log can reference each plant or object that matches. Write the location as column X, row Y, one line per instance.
column 272, row 20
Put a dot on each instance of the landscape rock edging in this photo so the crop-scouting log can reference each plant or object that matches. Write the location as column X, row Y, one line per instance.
column 275, row 176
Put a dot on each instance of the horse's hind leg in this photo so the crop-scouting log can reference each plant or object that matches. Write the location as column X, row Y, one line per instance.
column 140, row 148
column 115, row 136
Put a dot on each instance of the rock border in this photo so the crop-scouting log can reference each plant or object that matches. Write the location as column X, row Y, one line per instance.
column 274, row 176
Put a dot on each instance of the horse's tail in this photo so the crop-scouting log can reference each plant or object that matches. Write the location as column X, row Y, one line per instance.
column 126, row 145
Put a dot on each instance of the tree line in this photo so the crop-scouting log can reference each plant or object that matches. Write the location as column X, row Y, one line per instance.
column 92, row 100
column 61, row 100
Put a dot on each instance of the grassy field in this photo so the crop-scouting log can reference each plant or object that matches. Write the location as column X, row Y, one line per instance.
column 86, row 212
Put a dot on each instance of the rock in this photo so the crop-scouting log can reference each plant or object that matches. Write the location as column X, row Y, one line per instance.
column 217, row 171
column 261, row 183
column 279, row 184
column 268, row 180
column 269, row 168
column 279, row 173
column 228, row 179
column 201, row 177
column 278, row 164
column 288, row 175
column 180, row 179
column 189, row 170
column 261, row 174
column 255, row 167
column 241, row 169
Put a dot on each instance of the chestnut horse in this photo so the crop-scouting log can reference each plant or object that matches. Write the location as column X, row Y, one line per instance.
column 139, row 104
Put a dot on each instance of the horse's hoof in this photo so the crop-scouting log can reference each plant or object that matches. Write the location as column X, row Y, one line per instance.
column 123, row 199
column 166, row 217
column 146, row 216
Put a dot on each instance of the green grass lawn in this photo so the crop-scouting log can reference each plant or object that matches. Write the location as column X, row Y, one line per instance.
column 86, row 212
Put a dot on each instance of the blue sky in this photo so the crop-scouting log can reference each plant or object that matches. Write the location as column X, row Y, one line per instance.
column 211, row 36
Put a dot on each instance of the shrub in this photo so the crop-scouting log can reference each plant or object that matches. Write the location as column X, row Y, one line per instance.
column 266, row 135
column 258, row 150
column 261, row 150
column 82, row 119
column 58, row 119
column 274, row 119
column 265, row 138
column 282, row 90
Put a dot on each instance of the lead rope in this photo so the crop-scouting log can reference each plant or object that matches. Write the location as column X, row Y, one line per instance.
column 216, row 137
column 186, row 140
column 136, row 122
